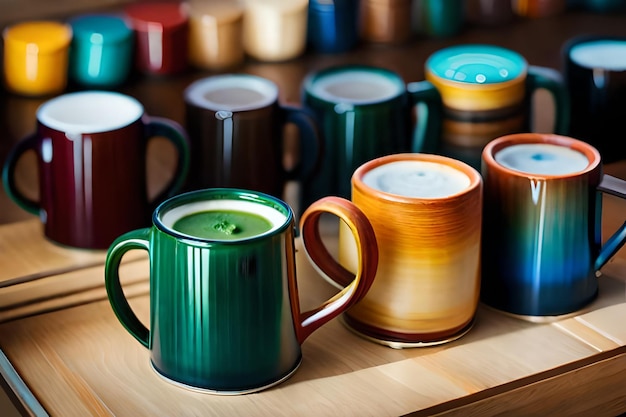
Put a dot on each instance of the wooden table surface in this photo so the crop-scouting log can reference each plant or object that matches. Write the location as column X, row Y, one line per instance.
column 63, row 352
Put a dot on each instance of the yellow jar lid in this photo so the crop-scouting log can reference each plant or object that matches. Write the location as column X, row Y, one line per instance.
column 48, row 36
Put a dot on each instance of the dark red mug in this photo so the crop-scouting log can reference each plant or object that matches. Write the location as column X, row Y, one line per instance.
column 91, row 151
column 237, row 134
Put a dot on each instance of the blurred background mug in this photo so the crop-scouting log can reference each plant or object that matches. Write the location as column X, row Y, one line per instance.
column 225, row 314
column 215, row 33
column 101, row 52
column 91, row 153
column 542, row 243
column 476, row 93
column 36, row 55
column 364, row 112
column 236, row 128
column 594, row 69
column 275, row 30
column 332, row 26
column 426, row 213
column 161, row 31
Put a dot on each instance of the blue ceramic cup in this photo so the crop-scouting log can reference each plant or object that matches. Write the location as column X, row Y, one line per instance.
column 101, row 51
column 475, row 93
column 333, row 25
column 541, row 244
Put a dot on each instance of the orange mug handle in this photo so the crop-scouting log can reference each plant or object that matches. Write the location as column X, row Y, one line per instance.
column 355, row 285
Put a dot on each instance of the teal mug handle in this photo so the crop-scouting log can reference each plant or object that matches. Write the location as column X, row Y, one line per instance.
column 8, row 175
column 172, row 131
column 552, row 81
column 136, row 239
column 426, row 100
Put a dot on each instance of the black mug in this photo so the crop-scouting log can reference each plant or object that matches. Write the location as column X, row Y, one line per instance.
column 594, row 70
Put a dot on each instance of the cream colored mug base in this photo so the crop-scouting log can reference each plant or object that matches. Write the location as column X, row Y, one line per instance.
column 394, row 344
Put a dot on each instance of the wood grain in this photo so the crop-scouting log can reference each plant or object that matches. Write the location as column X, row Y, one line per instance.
column 81, row 361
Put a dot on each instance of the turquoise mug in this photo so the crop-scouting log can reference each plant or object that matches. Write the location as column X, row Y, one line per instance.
column 364, row 112
column 542, row 247
column 475, row 93
column 224, row 303
column 101, row 52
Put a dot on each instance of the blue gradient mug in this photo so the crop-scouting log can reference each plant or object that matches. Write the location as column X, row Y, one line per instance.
column 542, row 243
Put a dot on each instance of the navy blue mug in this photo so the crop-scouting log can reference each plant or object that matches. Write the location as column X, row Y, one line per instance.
column 333, row 25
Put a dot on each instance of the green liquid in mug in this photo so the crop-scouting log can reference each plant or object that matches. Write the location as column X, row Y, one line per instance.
column 223, row 225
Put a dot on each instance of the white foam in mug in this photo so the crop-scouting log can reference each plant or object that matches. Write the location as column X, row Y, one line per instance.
column 542, row 158
column 417, row 179
column 606, row 54
column 234, row 92
column 356, row 87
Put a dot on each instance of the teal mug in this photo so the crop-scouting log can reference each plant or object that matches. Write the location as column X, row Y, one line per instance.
column 101, row 52
column 475, row 93
column 364, row 112
column 225, row 315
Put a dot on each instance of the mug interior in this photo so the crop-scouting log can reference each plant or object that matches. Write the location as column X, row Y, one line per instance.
column 545, row 155
column 355, row 85
column 416, row 176
column 89, row 112
column 476, row 64
column 232, row 92
column 275, row 211
column 608, row 54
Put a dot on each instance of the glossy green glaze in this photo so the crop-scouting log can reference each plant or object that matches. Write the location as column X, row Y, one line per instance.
column 221, row 317
column 225, row 315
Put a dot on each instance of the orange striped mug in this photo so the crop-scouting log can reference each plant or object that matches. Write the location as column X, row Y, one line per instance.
column 426, row 214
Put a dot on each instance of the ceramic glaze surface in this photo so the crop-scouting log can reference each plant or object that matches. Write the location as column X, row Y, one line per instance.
column 236, row 127
column 91, row 152
column 225, row 315
column 101, row 50
column 541, row 237
column 427, row 284
column 358, row 128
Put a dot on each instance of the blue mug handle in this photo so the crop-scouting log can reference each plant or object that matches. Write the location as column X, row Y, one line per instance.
column 616, row 187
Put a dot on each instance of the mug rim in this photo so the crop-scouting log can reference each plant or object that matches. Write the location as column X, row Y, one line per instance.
column 493, row 84
column 394, row 77
column 225, row 194
column 475, row 179
column 585, row 39
column 90, row 127
column 491, row 149
column 194, row 92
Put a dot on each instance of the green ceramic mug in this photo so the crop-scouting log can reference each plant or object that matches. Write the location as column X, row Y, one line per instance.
column 224, row 305
column 364, row 112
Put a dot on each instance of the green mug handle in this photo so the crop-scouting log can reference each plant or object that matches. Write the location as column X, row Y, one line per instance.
column 426, row 100
column 552, row 81
column 8, row 175
column 175, row 133
column 136, row 239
